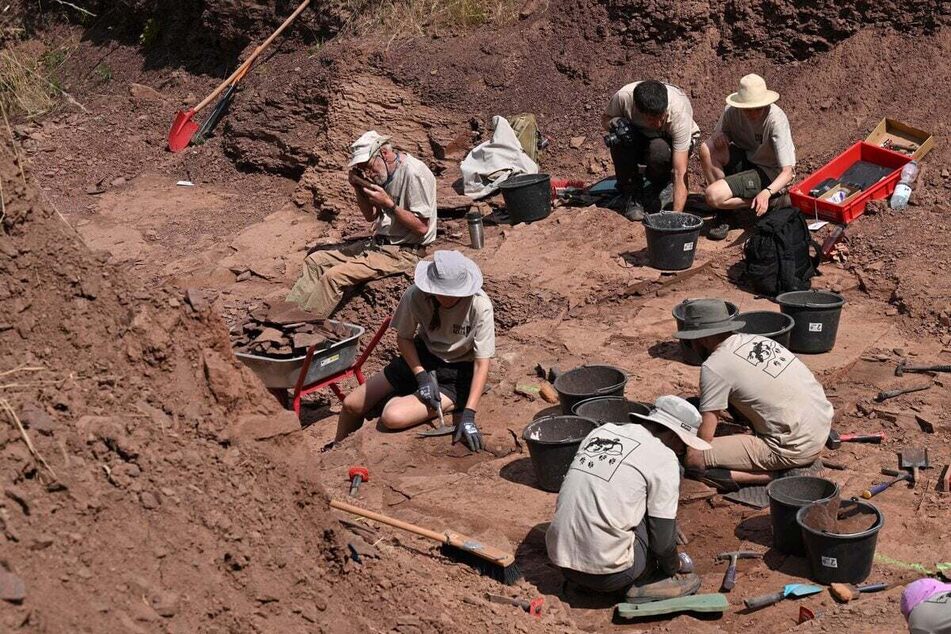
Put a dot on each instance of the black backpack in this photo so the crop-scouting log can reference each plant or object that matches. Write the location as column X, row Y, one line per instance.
column 777, row 255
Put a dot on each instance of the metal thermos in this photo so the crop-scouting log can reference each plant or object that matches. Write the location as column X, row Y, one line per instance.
column 476, row 233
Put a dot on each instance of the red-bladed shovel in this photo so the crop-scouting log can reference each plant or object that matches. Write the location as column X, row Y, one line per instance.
column 184, row 127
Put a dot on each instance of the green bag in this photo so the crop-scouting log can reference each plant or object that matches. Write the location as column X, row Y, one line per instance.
column 526, row 129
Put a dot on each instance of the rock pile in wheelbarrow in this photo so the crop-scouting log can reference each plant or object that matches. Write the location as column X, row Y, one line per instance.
column 284, row 331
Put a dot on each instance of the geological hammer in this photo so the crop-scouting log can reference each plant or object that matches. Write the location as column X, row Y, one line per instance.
column 904, row 367
column 729, row 577
column 836, row 439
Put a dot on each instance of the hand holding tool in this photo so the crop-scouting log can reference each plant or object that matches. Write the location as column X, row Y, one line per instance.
column 729, row 577
column 356, row 475
column 533, row 606
column 904, row 367
column 836, row 439
column 427, row 391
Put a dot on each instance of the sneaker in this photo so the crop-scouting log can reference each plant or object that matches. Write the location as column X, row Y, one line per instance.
column 716, row 477
column 657, row 587
column 633, row 209
column 719, row 229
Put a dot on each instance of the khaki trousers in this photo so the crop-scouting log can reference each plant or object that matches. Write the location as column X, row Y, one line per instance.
column 328, row 274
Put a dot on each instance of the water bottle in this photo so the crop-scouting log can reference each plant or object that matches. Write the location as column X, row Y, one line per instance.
column 476, row 232
column 903, row 190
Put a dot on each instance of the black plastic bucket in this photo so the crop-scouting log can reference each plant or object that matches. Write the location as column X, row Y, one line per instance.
column 768, row 323
column 842, row 558
column 552, row 443
column 527, row 197
column 609, row 409
column 786, row 497
column 672, row 239
column 817, row 319
column 586, row 382
column 689, row 355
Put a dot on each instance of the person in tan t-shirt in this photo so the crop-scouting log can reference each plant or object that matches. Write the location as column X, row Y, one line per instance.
column 397, row 193
column 750, row 159
column 650, row 123
column 445, row 325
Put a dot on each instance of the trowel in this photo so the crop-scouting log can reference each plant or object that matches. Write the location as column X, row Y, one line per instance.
column 443, row 429
column 914, row 458
column 794, row 590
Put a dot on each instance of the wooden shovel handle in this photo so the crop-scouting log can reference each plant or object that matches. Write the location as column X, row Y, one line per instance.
column 246, row 65
column 390, row 521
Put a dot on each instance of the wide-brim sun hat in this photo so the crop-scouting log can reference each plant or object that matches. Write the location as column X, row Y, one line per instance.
column 679, row 416
column 364, row 148
column 705, row 318
column 449, row 273
column 752, row 93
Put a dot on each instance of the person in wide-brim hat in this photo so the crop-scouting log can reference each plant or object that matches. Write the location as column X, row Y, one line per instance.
column 760, row 382
column 445, row 329
column 750, row 159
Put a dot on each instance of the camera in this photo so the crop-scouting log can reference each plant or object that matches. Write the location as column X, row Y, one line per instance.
column 622, row 133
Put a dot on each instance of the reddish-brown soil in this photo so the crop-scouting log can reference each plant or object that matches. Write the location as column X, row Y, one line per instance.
column 185, row 500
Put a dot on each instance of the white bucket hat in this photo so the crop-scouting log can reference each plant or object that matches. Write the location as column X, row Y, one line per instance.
column 752, row 93
column 449, row 273
column 363, row 149
column 679, row 416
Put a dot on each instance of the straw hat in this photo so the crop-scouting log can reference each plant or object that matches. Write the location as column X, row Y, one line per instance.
column 752, row 93
column 706, row 317
column 363, row 149
column 679, row 416
column 449, row 273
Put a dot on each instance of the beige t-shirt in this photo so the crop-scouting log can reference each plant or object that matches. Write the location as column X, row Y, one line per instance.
column 620, row 473
column 413, row 187
column 768, row 144
column 466, row 331
column 679, row 125
column 771, row 387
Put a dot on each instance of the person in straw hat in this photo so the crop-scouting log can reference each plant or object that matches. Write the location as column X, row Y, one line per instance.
column 615, row 523
column 767, row 386
column 751, row 157
column 397, row 193
column 445, row 325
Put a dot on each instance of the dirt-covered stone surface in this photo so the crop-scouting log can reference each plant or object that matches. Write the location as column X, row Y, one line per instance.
column 169, row 491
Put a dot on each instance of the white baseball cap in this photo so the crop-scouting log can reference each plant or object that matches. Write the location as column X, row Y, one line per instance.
column 679, row 416
column 363, row 149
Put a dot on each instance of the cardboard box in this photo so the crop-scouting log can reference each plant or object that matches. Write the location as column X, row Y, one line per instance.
column 850, row 193
column 902, row 134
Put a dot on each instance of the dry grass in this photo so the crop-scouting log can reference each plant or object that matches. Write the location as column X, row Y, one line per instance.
column 29, row 82
column 400, row 19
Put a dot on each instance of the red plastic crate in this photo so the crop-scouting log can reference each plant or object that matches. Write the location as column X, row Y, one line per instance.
column 851, row 209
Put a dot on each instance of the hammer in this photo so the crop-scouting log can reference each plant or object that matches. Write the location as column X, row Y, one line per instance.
column 836, row 439
column 904, row 367
column 729, row 577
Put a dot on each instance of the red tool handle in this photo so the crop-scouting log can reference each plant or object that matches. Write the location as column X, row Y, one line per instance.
column 358, row 471
column 872, row 438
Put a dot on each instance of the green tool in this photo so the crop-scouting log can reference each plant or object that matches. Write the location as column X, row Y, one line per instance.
column 794, row 590
column 694, row 603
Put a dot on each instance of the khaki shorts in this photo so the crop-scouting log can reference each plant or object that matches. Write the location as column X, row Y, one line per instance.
column 745, row 452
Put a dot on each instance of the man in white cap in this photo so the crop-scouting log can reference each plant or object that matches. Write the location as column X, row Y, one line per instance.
column 615, row 524
column 750, row 158
column 650, row 123
column 768, row 386
column 445, row 332
column 397, row 193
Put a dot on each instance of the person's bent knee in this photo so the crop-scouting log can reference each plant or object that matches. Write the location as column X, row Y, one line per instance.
column 352, row 405
column 395, row 417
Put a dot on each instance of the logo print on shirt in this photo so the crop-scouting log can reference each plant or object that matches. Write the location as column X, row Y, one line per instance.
column 601, row 455
column 765, row 354
column 461, row 329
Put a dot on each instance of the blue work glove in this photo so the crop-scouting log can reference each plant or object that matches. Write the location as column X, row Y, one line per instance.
column 427, row 390
column 467, row 431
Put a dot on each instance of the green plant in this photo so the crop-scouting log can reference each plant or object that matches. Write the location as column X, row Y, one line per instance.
column 412, row 18
column 103, row 72
column 150, row 33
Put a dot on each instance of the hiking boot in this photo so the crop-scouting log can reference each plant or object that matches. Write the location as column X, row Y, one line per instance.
column 718, row 229
column 716, row 477
column 633, row 209
column 658, row 587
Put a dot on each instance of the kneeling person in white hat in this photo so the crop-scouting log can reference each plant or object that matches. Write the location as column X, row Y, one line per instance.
column 768, row 386
column 397, row 193
column 751, row 157
column 444, row 323
column 615, row 526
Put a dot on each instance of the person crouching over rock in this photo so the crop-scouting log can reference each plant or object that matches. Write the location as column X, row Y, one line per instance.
column 444, row 323
column 615, row 524
column 768, row 386
column 397, row 193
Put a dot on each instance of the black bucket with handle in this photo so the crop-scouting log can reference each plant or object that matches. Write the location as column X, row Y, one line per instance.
column 672, row 239
column 527, row 197
column 768, row 323
column 842, row 555
column 552, row 443
column 816, row 314
column 588, row 381
column 610, row 409
column 786, row 497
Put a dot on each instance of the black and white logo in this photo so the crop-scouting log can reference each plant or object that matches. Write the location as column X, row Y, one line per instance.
column 765, row 354
column 600, row 455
